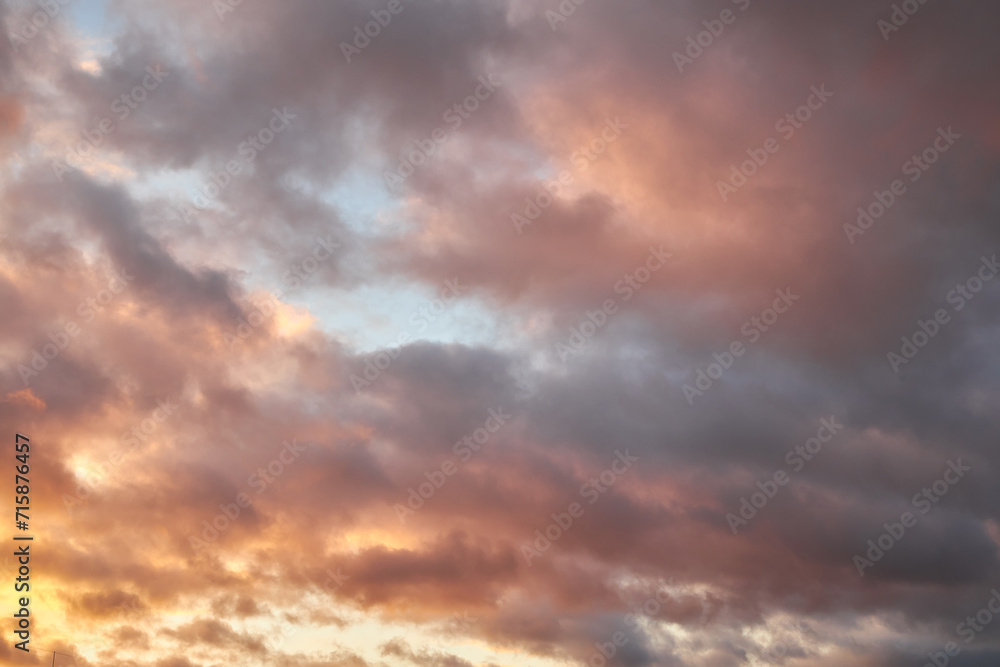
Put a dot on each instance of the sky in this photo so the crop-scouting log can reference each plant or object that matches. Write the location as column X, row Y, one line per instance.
column 496, row 333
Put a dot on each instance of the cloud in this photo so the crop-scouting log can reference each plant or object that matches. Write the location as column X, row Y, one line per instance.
column 115, row 302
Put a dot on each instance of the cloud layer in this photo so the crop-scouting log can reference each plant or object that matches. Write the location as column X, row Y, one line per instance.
column 500, row 333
